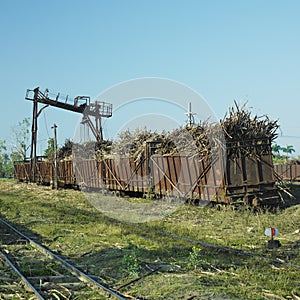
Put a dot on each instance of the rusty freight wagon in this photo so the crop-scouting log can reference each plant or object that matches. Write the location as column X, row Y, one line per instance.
column 246, row 177
column 44, row 172
column 250, row 174
column 289, row 170
column 232, row 163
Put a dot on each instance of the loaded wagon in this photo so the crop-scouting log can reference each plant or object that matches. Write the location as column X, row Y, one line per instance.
column 232, row 163
column 289, row 170
column 243, row 176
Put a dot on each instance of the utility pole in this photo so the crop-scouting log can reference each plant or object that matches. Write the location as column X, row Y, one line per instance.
column 33, row 158
column 55, row 179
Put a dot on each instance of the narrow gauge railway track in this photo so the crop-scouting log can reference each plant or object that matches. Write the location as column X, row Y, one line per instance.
column 44, row 273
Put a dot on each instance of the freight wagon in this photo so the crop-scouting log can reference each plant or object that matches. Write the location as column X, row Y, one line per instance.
column 44, row 172
column 243, row 178
column 288, row 171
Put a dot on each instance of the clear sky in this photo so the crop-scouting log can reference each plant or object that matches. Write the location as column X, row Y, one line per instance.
column 224, row 50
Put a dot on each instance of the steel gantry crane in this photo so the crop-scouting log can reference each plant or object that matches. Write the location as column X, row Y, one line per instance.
column 80, row 104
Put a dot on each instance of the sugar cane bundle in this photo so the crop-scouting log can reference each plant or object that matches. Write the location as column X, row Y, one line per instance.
column 132, row 144
column 84, row 150
column 102, row 149
column 248, row 135
column 189, row 141
column 239, row 133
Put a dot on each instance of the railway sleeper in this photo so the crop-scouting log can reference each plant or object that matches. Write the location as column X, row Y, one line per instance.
column 5, row 287
column 54, row 279
column 17, row 242
column 6, row 279
column 66, row 285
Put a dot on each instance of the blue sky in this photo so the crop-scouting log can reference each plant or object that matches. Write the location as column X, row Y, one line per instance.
column 225, row 50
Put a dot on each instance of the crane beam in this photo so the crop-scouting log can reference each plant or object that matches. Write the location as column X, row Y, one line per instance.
column 40, row 97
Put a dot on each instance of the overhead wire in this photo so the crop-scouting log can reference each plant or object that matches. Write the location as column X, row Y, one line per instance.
column 45, row 123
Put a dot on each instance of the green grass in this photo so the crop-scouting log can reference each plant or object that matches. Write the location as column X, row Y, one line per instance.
column 120, row 253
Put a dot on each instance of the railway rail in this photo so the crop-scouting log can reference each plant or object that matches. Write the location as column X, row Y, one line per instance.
column 44, row 273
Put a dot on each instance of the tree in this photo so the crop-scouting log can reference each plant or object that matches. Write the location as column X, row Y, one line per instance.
column 49, row 152
column 6, row 168
column 282, row 154
column 20, row 139
column 65, row 151
column 276, row 148
column 288, row 150
column 276, row 153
